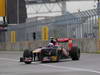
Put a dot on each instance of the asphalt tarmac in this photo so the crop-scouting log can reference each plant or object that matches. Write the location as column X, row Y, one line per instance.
column 89, row 64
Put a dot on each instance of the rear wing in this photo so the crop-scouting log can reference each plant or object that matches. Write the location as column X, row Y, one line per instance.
column 68, row 40
column 63, row 39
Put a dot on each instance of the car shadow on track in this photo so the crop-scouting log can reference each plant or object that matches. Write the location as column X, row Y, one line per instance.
column 39, row 62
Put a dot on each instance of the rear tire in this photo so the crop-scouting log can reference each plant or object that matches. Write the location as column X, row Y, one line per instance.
column 75, row 53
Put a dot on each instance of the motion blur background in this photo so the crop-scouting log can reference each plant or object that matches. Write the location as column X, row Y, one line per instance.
column 30, row 23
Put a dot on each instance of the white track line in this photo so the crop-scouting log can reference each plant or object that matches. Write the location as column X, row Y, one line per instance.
column 72, row 68
column 58, row 67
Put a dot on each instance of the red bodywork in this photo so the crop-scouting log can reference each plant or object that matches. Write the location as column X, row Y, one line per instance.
column 69, row 40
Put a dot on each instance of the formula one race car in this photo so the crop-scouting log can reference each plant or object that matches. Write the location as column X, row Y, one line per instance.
column 63, row 49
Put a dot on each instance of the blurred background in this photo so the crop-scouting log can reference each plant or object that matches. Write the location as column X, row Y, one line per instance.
column 30, row 23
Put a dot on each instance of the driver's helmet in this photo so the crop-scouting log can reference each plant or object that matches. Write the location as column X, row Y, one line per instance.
column 51, row 37
column 50, row 45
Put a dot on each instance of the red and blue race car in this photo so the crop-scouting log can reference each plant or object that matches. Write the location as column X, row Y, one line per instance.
column 63, row 49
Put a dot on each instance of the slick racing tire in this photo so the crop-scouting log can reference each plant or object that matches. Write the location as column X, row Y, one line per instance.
column 27, row 54
column 27, row 62
column 75, row 53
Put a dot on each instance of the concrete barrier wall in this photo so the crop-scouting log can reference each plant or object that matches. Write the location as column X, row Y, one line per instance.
column 19, row 46
column 86, row 45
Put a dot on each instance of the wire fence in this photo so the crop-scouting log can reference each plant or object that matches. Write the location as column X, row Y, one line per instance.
column 72, row 25
column 82, row 24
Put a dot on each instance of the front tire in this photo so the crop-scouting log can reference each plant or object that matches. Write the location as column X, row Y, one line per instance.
column 27, row 54
column 27, row 62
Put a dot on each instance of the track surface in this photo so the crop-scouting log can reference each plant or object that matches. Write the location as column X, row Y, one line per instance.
column 89, row 64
